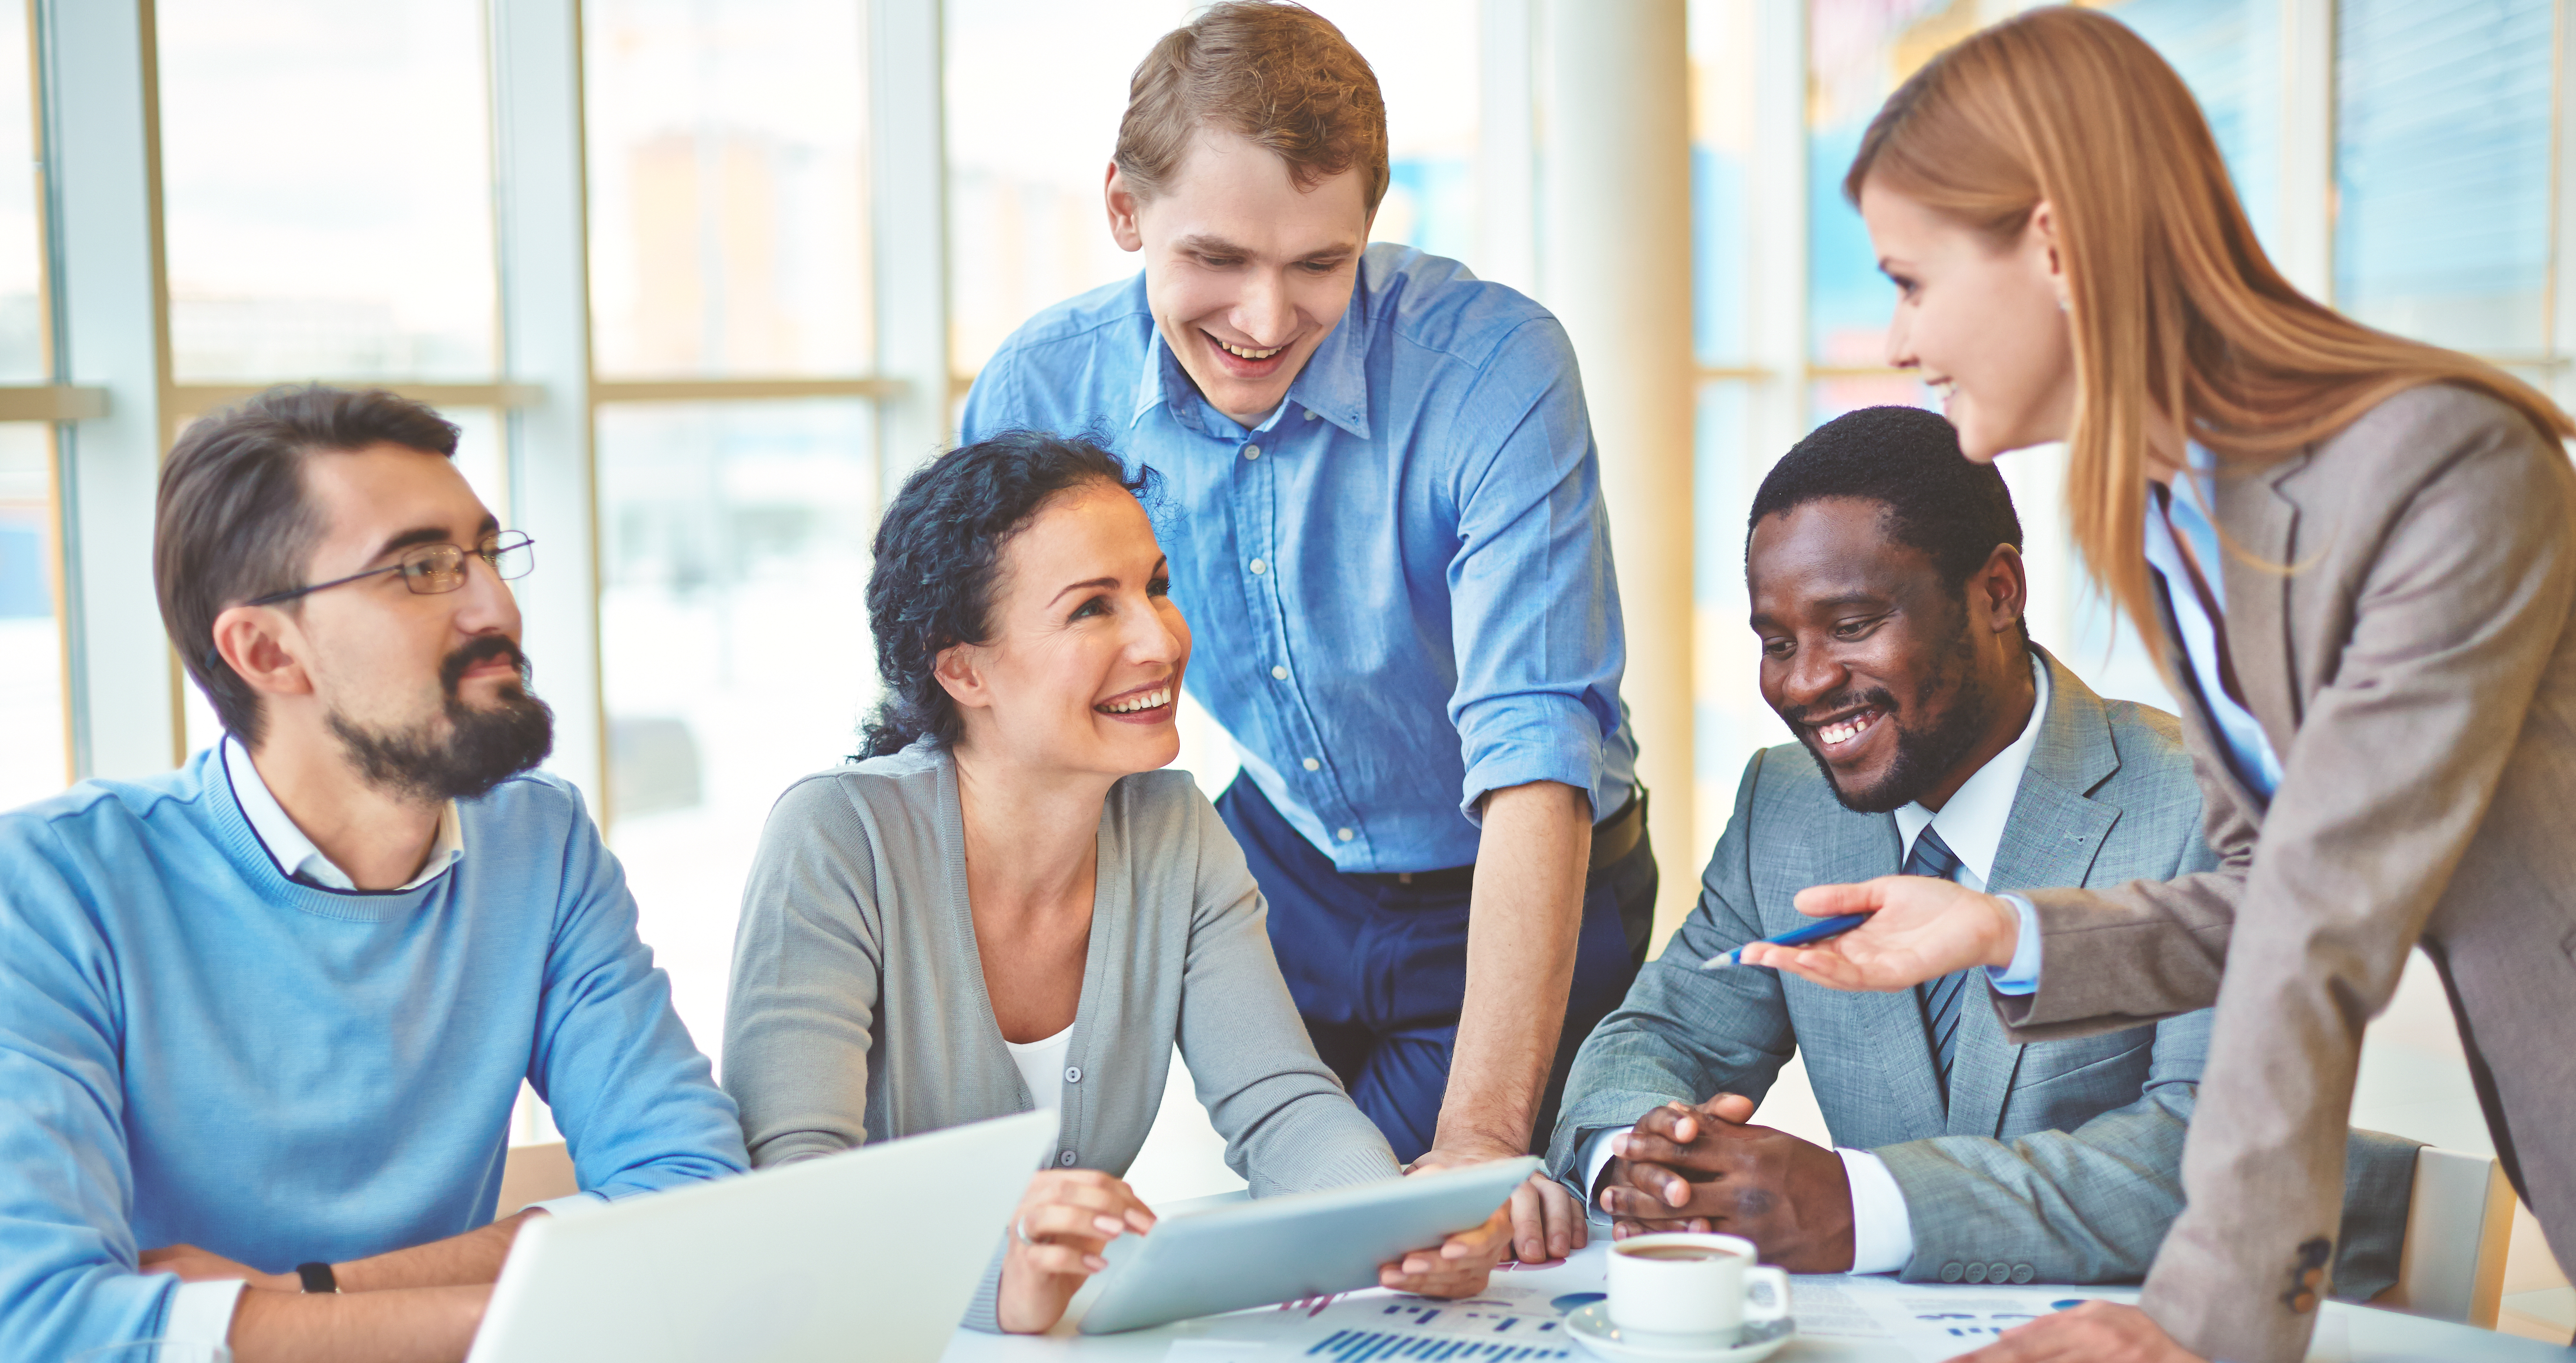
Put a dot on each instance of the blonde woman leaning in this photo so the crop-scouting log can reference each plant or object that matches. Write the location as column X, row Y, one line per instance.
column 2355, row 552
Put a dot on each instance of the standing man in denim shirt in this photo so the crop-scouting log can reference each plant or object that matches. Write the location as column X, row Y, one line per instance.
column 1385, row 518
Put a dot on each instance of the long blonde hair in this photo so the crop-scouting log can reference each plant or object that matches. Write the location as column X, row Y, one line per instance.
column 2175, row 310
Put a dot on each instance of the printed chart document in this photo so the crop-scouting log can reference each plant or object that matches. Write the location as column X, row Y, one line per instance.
column 1520, row 1318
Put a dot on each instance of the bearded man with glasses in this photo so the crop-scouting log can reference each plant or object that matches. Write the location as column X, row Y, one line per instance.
column 263, row 1019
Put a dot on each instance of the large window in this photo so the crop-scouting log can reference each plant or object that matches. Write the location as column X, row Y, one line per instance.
column 2442, row 170
column 736, row 453
column 34, row 758
column 326, row 184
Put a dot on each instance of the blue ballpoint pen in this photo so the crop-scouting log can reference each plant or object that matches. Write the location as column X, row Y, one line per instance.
column 1816, row 931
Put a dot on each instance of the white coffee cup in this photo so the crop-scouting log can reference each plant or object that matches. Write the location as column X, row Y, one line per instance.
column 1687, row 1284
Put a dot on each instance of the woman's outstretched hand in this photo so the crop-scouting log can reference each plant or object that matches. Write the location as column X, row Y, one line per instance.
column 1064, row 1221
column 1919, row 929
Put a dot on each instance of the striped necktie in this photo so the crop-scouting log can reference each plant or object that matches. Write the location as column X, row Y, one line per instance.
column 1941, row 998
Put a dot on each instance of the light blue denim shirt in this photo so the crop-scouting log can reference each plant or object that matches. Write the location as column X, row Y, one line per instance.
column 1399, row 582
column 2248, row 749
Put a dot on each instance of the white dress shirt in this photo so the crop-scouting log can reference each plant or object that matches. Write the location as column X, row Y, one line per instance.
column 1972, row 824
column 295, row 854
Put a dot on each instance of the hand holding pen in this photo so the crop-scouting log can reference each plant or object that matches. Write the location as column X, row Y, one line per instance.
column 1909, row 929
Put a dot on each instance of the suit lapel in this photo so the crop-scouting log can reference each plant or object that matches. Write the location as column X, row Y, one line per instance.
column 2051, row 838
column 1864, row 846
column 2260, row 523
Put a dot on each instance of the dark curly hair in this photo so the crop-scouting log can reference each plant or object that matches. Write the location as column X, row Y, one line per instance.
column 1939, row 502
column 938, row 550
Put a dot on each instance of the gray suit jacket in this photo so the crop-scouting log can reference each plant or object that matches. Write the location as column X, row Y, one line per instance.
column 2057, row 1161
column 2399, row 620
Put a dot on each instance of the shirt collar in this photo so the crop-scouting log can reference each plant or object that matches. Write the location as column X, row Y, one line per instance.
column 1333, row 385
column 296, row 856
column 1972, row 821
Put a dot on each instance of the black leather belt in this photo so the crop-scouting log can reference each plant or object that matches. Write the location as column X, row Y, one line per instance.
column 1612, row 838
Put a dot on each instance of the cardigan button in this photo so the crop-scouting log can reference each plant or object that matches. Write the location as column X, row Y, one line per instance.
column 1065, row 1159
column 1073, row 1074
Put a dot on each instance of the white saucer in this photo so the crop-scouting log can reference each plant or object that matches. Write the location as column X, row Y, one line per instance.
column 1590, row 1325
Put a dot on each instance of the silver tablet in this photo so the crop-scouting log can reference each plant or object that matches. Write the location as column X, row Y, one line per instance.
column 1278, row 1248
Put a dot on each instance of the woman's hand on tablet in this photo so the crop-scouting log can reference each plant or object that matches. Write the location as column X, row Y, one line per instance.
column 1065, row 1220
column 1457, row 1266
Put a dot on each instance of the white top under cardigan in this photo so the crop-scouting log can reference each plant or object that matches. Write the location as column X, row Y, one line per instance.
column 859, row 1010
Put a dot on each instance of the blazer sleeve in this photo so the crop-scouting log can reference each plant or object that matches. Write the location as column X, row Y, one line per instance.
column 1684, row 1034
column 1288, row 1125
column 2451, row 627
column 801, row 1015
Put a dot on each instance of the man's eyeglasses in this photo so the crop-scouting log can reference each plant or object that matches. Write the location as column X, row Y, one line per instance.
column 429, row 569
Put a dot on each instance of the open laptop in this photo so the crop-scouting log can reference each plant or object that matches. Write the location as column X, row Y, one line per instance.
column 870, row 1254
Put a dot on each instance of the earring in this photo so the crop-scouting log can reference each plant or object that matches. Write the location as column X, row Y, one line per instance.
column 2062, row 304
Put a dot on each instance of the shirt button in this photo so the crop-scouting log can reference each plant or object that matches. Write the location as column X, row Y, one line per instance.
column 1310, row 415
column 1259, row 567
column 1279, row 674
column 1065, row 1159
column 1252, row 451
column 1313, row 765
column 1344, row 834
column 1073, row 1074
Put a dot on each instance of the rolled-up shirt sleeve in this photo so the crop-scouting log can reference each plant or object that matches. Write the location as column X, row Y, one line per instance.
column 1534, row 612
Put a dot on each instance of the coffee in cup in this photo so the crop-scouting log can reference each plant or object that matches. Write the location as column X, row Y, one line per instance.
column 1692, row 1284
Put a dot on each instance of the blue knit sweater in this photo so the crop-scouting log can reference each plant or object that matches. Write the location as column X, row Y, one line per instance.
column 194, row 1048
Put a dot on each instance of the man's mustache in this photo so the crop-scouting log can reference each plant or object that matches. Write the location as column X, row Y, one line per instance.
column 1796, row 715
column 451, row 673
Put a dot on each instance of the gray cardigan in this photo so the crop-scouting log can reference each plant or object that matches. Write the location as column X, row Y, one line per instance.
column 858, row 1009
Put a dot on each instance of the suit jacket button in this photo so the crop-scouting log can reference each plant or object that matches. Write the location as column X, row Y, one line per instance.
column 1976, row 1273
column 1950, row 1272
column 2304, row 1302
column 2023, row 1273
column 1998, row 1273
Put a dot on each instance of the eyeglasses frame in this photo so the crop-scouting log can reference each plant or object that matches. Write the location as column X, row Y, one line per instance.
column 502, row 543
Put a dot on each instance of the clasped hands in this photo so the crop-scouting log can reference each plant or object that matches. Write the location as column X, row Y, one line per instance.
column 1704, row 1168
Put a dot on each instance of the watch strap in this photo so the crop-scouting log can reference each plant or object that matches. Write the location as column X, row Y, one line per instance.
column 318, row 1277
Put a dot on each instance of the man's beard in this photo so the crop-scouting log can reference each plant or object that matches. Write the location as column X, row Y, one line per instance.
column 1923, row 756
column 480, row 748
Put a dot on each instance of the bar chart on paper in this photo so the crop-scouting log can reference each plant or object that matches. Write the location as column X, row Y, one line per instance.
column 1473, row 1331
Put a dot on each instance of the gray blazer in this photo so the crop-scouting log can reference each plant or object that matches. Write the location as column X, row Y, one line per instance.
column 858, row 1009
column 2056, row 1162
column 2399, row 616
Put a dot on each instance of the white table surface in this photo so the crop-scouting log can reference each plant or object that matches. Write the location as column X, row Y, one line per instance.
column 2345, row 1334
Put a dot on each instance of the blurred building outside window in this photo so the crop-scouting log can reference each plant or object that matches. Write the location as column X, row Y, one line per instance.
column 728, row 244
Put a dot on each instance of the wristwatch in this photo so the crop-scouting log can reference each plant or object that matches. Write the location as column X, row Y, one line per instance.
column 318, row 1277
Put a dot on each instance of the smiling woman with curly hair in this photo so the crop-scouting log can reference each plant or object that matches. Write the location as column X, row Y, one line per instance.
column 1006, row 902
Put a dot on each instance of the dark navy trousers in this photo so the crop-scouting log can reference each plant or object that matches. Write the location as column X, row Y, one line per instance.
column 1378, row 967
